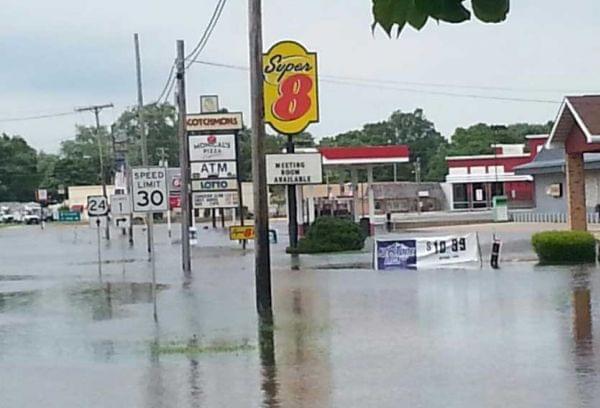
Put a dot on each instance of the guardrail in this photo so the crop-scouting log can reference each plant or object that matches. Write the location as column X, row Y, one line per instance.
column 557, row 218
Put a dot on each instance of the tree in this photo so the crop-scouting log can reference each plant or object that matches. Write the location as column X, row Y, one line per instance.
column 479, row 138
column 18, row 169
column 402, row 128
column 397, row 13
column 46, row 166
column 161, row 133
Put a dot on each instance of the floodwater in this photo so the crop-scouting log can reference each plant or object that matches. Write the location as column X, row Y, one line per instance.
column 522, row 336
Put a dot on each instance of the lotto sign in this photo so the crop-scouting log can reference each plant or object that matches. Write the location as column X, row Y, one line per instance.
column 427, row 252
column 222, row 199
column 290, row 87
column 239, row 232
column 215, row 185
column 297, row 168
column 149, row 189
column 216, row 170
column 212, row 147
column 97, row 206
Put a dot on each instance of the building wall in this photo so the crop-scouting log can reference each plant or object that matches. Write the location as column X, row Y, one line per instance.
column 548, row 204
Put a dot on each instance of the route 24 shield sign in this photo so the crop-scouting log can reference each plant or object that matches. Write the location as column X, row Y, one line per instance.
column 290, row 87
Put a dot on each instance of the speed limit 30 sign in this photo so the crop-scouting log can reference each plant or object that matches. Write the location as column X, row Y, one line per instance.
column 149, row 189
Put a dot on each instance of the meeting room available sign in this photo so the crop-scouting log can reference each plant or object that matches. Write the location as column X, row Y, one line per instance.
column 295, row 168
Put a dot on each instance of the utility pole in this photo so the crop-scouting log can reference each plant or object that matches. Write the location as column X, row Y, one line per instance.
column 184, row 162
column 142, row 129
column 262, row 255
column 97, row 109
column 292, row 202
column 162, row 152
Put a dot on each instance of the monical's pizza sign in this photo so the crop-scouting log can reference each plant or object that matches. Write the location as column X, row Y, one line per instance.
column 290, row 87
column 212, row 147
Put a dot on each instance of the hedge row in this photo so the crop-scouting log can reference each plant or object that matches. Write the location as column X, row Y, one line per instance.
column 564, row 247
column 329, row 234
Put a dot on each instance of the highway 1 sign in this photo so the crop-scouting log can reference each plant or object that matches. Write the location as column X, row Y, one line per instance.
column 97, row 206
column 120, row 204
column 149, row 189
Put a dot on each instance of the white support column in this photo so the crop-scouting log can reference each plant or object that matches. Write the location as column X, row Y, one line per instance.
column 371, row 194
column 355, row 194
column 301, row 210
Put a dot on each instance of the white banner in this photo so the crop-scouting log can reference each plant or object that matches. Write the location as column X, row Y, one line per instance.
column 222, row 199
column 216, row 170
column 294, row 168
column 425, row 252
column 212, row 147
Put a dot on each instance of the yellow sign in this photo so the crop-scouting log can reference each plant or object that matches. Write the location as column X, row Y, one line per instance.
column 290, row 87
column 239, row 232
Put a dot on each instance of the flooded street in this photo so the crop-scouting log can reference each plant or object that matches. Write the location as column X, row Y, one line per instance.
column 521, row 336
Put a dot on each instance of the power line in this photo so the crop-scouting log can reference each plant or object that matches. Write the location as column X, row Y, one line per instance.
column 384, row 85
column 207, row 33
column 170, row 79
column 35, row 117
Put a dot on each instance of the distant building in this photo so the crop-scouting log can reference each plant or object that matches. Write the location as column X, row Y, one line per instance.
column 475, row 180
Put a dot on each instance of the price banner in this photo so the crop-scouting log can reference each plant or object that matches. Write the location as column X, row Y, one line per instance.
column 426, row 252
column 290, row 87
column 239, row 232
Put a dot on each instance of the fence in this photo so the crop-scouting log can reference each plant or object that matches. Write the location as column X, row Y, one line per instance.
column 592, row 218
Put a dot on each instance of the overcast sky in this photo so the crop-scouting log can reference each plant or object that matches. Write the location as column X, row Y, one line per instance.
column 66, row 53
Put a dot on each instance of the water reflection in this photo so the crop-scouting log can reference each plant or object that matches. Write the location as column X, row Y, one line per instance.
column 266, row 349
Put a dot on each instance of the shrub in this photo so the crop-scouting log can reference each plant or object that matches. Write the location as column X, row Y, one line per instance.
column 329, row 234
column 564, row 247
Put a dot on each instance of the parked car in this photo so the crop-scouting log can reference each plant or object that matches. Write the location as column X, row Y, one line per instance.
column 31, row 218
column 6, row 218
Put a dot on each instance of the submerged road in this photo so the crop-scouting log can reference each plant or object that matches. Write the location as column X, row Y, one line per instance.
column 344, row 335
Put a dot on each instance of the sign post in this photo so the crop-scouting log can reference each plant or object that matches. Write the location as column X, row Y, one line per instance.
column 291, row 102
column 97, row 207
column 150, row 195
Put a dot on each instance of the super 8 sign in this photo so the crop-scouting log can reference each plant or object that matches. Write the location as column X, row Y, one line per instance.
column 290, row 87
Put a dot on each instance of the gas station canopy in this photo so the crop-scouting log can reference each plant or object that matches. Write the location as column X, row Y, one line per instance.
column 364, row 155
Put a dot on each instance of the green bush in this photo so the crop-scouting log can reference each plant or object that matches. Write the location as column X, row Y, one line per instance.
column 564, row 247
column 329, row 234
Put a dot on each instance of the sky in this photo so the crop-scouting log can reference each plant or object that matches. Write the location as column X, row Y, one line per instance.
column 70, row 53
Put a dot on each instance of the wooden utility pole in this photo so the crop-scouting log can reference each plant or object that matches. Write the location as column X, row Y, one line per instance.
column 97, row 109
column 184, row 160
column 142, row 129
column 262, row 256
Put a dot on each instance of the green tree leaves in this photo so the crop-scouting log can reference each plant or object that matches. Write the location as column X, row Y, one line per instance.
column 18, row 169
column 396, row 13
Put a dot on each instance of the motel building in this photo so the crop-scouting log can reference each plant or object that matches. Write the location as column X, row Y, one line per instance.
column 473, row 181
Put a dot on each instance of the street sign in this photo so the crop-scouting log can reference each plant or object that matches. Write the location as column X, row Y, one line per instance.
column 295, row 168
column 97, row 206
column 212, row 147
column 222, row 199
column 122, row 221
column 241, row 232
column 149, row 189
column 290, row 87
column 69, row 216
column 216, row 170
column 208, row 122
column 120, row 204
column 175, row 201
column 215, row 185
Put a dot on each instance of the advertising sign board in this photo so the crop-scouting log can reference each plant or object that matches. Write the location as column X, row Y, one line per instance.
column 241, row 232
column 297, row 168
column 149, row 189
column 215, row 185
column 290, row 87
column 207, row 122
column 212, row 147
column 426, row 252
column 209, row 170
column 222, row 199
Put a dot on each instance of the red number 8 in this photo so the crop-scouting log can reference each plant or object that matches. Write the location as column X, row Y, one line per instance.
column 293, row 102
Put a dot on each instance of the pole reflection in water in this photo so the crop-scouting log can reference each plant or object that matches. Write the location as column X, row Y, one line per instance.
column 266, row 346
column 157, row 395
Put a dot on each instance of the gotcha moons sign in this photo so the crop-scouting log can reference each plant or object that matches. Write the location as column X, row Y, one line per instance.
column 212, row 147
column 298, row 168
column 208, row 122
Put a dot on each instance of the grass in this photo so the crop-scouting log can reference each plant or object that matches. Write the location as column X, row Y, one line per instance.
column 194, row 347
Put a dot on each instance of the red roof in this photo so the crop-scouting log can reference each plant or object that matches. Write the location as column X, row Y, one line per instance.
column 365, row 152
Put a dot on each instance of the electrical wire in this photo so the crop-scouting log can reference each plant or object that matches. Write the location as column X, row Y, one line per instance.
column 192, row 56
column 170, row 79
column 41, row 116
column 380, row 84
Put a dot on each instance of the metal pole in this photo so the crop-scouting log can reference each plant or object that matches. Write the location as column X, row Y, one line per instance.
column 239, row 184
column 102, row 175
column 418, row 180
column 184, row 162
column 292, row 203
column 142, row 129
column 262, row 255
column 99, row 248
